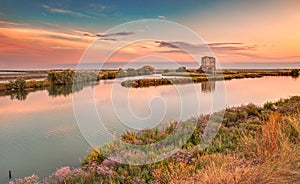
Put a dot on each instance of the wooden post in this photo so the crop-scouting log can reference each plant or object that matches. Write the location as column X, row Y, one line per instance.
column 9, row 174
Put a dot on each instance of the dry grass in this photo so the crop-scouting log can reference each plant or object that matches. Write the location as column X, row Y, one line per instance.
column 271, row 156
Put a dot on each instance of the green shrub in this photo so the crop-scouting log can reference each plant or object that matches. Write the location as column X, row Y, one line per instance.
column 65, row 77
column 109, row 75
column 268, row 105
column 68, row 77
column 17, row 85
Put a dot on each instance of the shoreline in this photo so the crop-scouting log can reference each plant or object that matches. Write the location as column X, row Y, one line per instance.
column 251, row 139
column 191, row 77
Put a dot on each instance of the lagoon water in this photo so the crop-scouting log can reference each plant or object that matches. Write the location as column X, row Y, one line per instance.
column 39, row 132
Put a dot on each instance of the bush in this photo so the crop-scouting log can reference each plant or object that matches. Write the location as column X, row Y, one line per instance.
column 65, row 77
column 68, row 77
column 109, row 75
column 17, row 85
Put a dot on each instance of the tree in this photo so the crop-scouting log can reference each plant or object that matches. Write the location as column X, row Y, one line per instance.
column 65, row 77
column 17, row 85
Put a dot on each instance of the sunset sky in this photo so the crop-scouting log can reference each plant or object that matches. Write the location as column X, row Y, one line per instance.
column 42, row 33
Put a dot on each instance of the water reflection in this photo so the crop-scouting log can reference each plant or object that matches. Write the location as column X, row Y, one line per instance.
column 19, row 95
column 53, row 90
column 40, row 134
column 63, row 90
column 208, row 87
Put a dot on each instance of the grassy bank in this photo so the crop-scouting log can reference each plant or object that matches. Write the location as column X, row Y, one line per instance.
column 21, row 84
column 129, row 72
column 139, row 83
column 66, row 77
column 255, row 144
column 191, row 77
column 57, row 83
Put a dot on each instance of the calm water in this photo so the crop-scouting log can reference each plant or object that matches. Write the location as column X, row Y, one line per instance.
column 39, row 133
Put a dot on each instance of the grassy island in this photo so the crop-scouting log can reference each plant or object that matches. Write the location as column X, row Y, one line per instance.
column 192, row 77
column 57, row 83
column 255, row 144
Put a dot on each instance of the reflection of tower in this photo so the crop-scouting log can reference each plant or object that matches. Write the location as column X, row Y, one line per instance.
column 209, row 86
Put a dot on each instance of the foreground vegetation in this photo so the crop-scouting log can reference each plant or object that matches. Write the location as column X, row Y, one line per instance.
column 254, row 145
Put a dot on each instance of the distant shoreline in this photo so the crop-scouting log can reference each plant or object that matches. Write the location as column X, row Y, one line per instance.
column 38, row 79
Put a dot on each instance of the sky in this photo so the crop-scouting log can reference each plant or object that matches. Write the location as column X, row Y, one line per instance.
column 39, row 33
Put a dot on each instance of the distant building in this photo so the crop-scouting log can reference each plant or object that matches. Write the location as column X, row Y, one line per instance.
column 208, row 65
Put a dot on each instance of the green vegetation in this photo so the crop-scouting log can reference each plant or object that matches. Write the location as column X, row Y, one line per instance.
column 138, row 83
column 21, row 85
column 192, row 77
column 109, row 75
column 58, row 83
column 68, row 77
column 254, row 145
column 18, row 84
column 19, row 89
column 61, row 78
column 184, row 74
column 130, row 72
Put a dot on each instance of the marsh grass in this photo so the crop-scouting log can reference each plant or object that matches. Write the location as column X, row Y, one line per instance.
column 271, row 156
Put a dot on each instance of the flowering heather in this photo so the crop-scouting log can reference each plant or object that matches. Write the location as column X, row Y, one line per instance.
column 63, row 173
column 33, row 179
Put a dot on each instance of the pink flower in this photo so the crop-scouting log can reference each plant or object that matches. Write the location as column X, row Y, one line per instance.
column 34, row 179
column 63, row 173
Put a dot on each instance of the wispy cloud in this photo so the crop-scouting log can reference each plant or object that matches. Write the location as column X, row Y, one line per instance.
column 63, row 11
column 108, row 37
column 166, row 44
column 10, row 23
column 224, row 43
column 219, row 47
column 122, row 33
